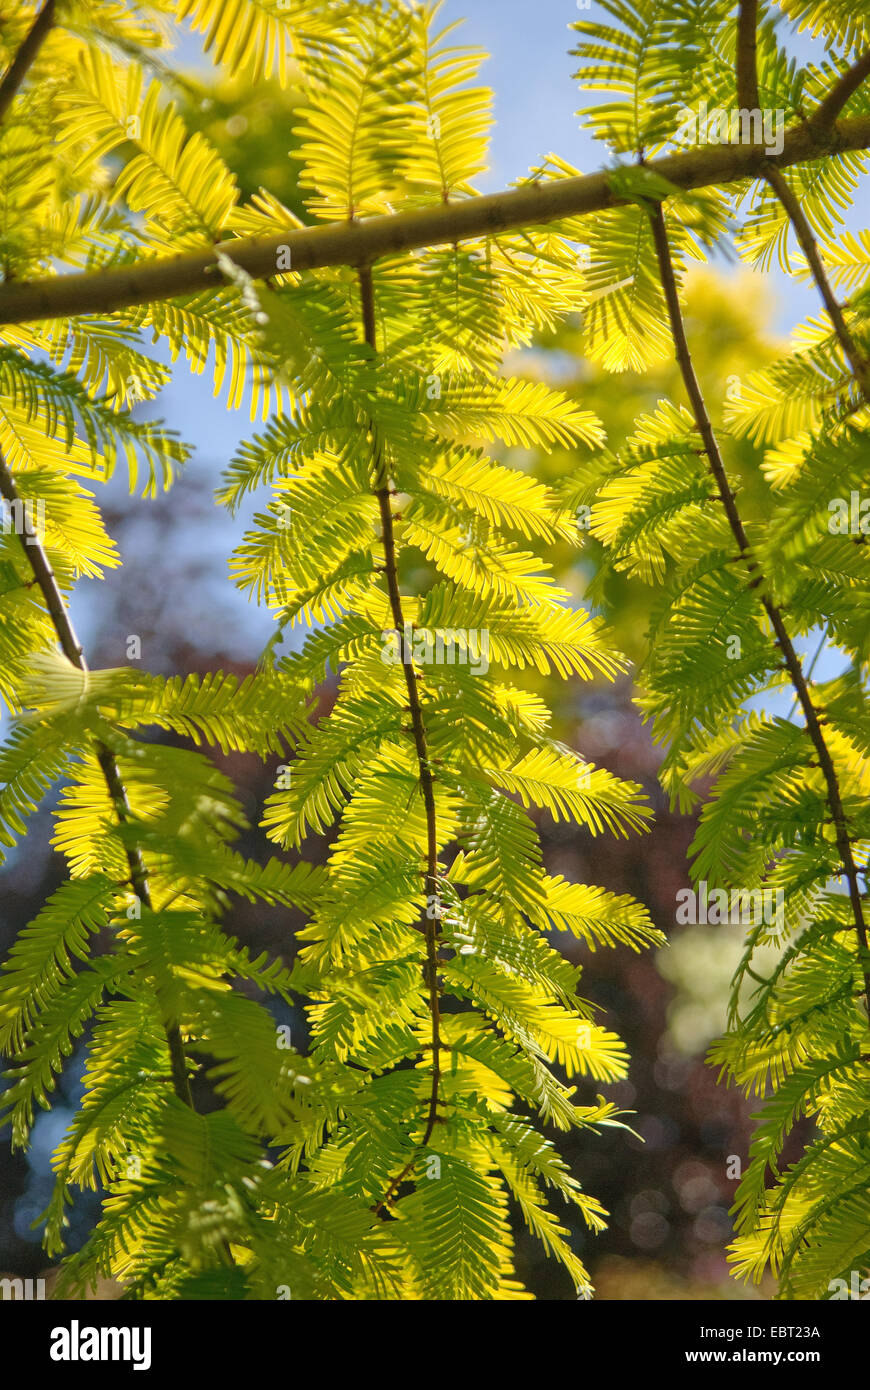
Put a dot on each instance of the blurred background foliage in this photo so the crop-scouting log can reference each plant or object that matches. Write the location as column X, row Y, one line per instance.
column 669, row 1183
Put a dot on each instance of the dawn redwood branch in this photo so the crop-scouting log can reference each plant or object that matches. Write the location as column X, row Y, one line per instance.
column 45, row 579
column 747, row 96
column 803, row 231
column 747, row 43
column 427, row 787
column 784, row 642
column 747, row 73
column 828, row 110
column 26, row 55
column 361, row 243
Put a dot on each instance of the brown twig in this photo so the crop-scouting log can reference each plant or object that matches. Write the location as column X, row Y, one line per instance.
column 828, row 110
column 821, row 120
column 747, row 68
column 26, row 56
column 429, row 924
column 72, row 649
column 757, row 580
column 804, row 233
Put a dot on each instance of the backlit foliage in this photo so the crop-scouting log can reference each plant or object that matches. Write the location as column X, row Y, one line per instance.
column 320, row 1173
column 446, row 1033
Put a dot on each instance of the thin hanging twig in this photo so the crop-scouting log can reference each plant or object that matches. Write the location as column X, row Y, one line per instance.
column 72, row 650
column 757, row 581
column 429, row 923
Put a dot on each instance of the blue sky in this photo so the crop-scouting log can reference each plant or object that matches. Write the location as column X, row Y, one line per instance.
column 530, row 70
